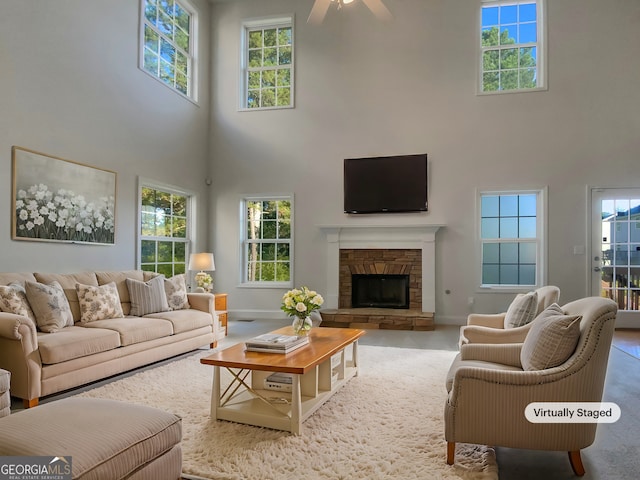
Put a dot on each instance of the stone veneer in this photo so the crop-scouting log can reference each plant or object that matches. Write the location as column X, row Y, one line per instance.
column 380, row 261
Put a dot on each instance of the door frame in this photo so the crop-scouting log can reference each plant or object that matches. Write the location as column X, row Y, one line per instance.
column 625, row 318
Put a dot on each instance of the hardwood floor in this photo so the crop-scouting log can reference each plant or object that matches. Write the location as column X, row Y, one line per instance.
column 628, row 340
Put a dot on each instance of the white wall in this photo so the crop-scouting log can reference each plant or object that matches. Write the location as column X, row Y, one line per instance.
column 70, row 87
column 370, row 88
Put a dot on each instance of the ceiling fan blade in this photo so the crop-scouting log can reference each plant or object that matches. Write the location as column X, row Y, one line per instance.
column 378, row 9
column 318, row 11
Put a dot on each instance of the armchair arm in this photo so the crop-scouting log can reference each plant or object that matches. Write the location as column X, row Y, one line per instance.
column 505, row 354
column 478, row 334
column 495, row 320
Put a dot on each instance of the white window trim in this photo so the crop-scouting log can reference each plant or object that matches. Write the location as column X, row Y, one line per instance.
column 542, row 220
column 191, row 215
column 192, row 86
column 243, row 236
column 269, row 21
column 541, row 24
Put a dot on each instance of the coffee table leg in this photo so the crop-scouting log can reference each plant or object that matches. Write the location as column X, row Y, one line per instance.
column 296, row 406
column 355, row 357
column 215, row 393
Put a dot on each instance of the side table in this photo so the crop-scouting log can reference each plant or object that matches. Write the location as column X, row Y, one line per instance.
column 220, row 306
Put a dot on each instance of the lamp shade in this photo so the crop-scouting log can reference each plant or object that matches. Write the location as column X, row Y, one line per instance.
column 201, row 262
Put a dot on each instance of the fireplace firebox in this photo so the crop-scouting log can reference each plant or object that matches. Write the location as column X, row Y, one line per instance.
column 379, row 291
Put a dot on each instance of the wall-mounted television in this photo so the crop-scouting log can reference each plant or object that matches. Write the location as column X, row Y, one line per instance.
column 385, row 184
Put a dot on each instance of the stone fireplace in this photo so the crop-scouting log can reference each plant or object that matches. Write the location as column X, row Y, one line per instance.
column 381, row 252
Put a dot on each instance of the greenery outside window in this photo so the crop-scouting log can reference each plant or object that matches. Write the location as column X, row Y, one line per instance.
column 512, row 240
column 167, row 43
column 267, row 64
column 164, row 230
column 267, row 257
column 511, row 46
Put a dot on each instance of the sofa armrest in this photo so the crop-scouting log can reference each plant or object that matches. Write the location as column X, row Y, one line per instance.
column 495, row 320
column 505, row 354
column 205, row 302
column 17, row 327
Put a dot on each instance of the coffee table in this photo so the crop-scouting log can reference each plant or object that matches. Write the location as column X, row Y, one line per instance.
column 318, row 371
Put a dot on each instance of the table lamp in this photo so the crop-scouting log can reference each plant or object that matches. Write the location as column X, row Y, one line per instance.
column 202, row 262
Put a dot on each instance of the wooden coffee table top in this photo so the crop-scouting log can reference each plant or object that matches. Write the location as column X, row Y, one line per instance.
column 323, row 343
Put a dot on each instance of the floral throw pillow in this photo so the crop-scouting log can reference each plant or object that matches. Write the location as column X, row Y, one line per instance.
column 98, row 303
column 176, row 290
column 13, row 299
column 50, row 306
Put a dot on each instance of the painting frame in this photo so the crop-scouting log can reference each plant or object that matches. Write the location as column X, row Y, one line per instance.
column 60, row 200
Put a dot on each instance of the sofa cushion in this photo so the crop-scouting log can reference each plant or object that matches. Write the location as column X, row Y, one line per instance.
column 134, row 329
column 185, row 320
column 12, row 277
column 13, row 299
column 522, row 310
column 75, row 342
column 98, row 303
column 176, row 290
column 50, row 306
column 68, row 282
column 147, row 297
column 106, row 439
column 551, row 340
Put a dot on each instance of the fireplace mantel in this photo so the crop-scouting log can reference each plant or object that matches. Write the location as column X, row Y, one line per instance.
column 422, row 237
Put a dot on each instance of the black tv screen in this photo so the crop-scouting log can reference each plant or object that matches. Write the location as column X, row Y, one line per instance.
column 385, row 184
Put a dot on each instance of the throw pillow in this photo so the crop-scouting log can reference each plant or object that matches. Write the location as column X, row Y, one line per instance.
column 98, row 303
column 522, row 310
column 176, row 291
column 147, row 297
column 13, row 299
column 552, row 339
column 50, row 306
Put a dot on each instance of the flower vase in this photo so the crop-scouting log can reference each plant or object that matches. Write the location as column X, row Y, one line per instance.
column 301, row 326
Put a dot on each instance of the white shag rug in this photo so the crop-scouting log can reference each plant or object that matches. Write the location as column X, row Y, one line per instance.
column 385, row 423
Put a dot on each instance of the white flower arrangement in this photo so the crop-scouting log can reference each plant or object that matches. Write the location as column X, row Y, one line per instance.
column 300, row 302
column 63, row 215
column 204, row 281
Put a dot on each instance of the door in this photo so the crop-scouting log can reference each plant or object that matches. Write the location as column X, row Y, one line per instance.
column 615, row 250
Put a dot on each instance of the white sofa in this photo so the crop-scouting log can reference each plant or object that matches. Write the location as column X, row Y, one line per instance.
column 42, row 363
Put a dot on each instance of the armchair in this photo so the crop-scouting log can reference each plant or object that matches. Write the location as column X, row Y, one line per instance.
column 489, row 389
column 490, row 328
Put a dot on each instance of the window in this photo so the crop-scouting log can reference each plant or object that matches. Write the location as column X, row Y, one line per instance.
column 267, row 241
column 267, row 64
column 168, row 34
column 164, row 230
column 511, row 238
column 511, row 39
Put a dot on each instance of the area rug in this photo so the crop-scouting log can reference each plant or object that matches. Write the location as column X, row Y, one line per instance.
column 385, row 423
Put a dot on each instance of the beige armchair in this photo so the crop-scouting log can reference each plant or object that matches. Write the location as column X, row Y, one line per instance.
column 489, row 388
column 489, row 328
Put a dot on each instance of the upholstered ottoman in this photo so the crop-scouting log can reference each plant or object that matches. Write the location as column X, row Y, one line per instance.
column 5, row 397
column 106, row 439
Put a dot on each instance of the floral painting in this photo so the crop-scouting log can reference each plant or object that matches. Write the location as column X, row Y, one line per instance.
column 59, row 200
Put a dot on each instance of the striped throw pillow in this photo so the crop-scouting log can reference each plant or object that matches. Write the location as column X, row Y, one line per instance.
column 147, row 297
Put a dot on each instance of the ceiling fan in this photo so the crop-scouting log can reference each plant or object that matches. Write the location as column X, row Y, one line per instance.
column 320, row 8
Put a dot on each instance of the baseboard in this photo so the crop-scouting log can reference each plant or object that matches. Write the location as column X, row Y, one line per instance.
column 450, row 320
column 257, row 315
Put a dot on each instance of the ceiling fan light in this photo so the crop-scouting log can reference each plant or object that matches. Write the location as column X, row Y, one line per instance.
column 346, row 2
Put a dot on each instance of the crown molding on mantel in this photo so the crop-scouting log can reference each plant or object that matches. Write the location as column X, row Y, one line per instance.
column 389, row 236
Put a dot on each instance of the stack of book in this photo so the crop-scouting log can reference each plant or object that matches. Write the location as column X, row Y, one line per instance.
column 275, row 343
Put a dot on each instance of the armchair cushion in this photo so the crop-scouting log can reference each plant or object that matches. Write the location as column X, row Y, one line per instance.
column 522, row 310
column 551, row 340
